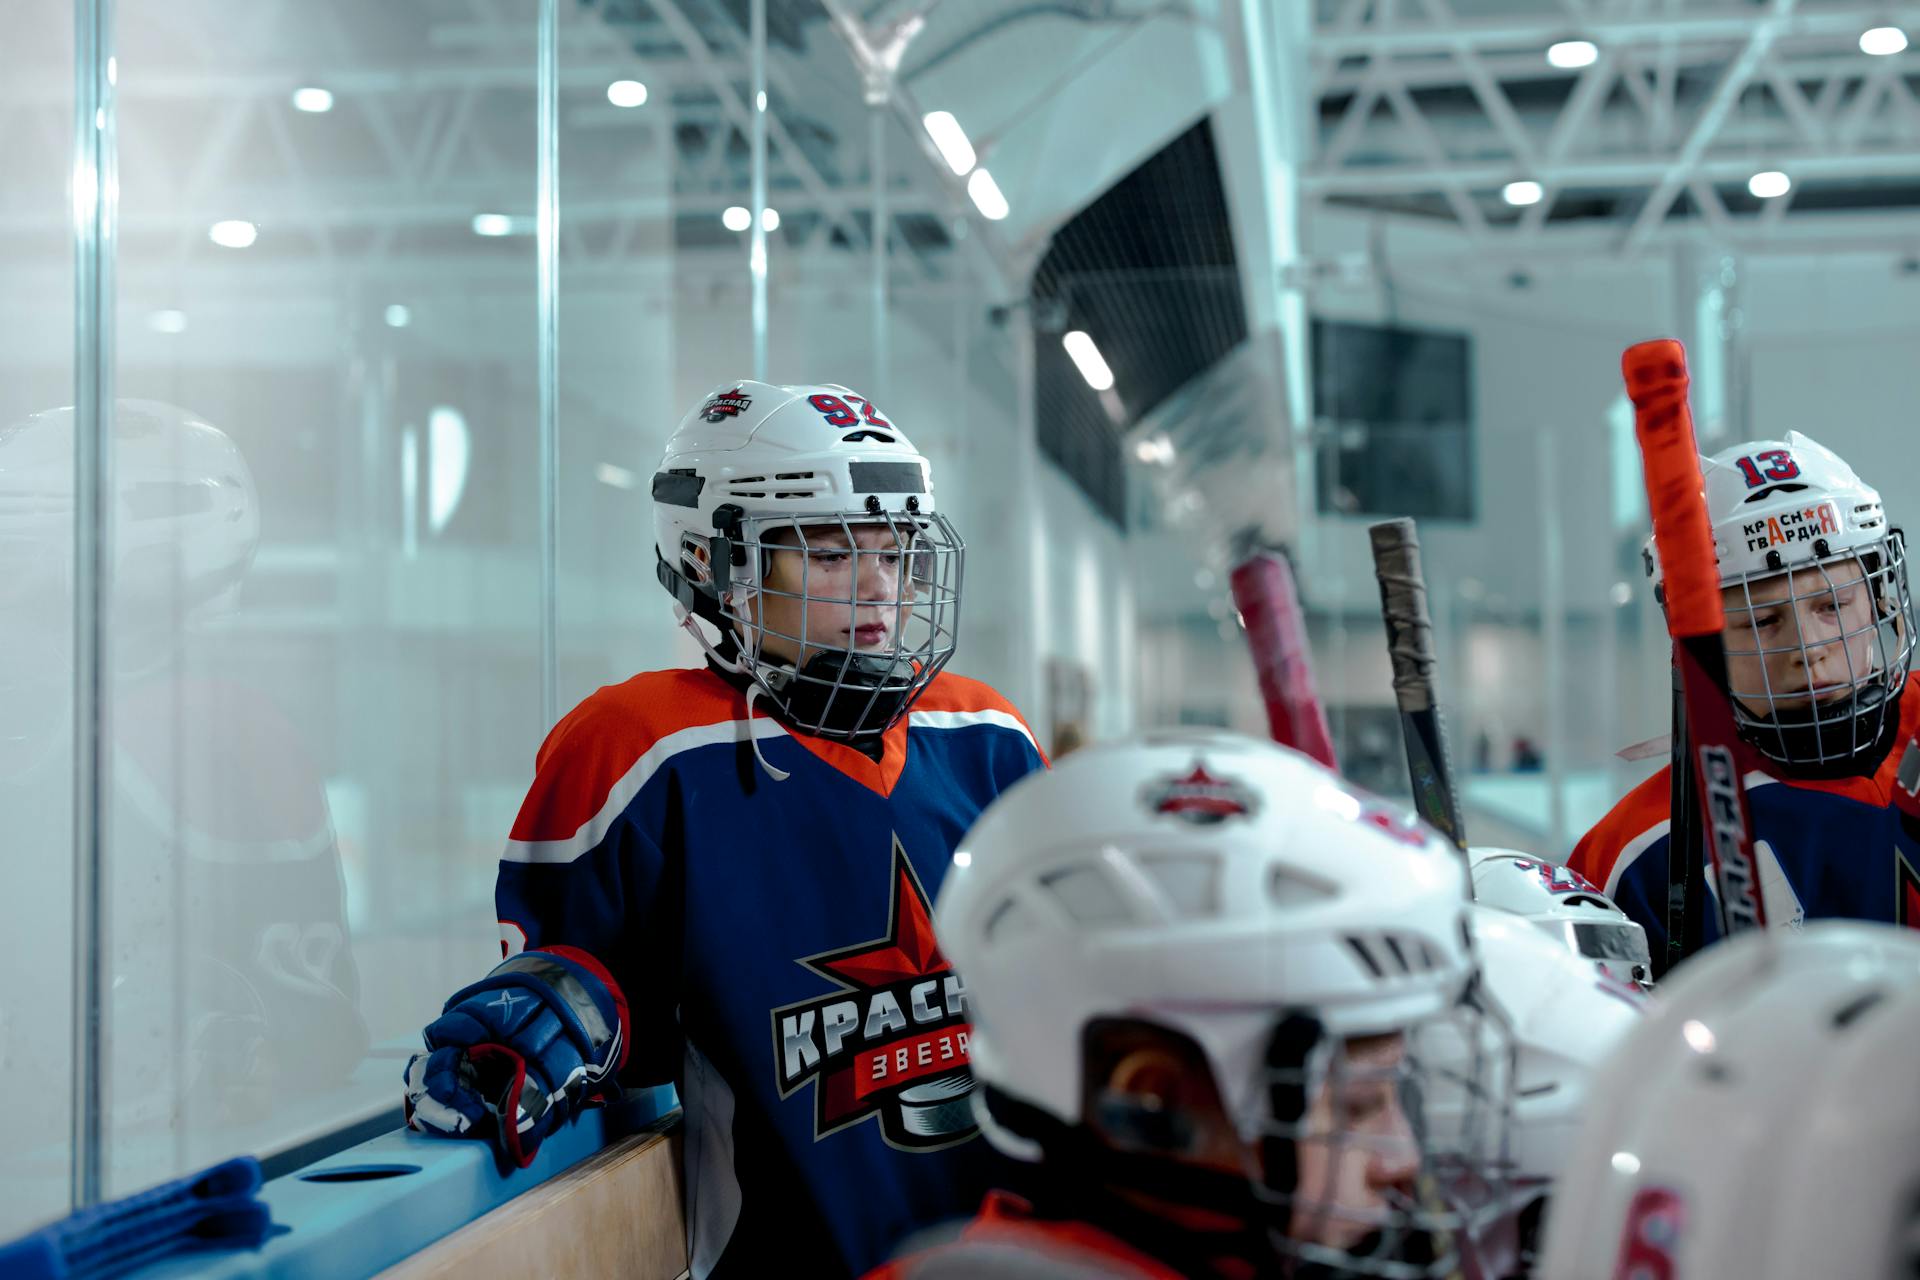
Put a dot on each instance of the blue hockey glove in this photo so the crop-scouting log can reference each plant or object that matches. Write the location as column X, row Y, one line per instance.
column 516, row 1053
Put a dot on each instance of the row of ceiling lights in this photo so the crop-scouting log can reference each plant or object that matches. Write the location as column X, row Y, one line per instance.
column 1571, row 55
column 957, row 150
column 171, row 320
column 941, row 126
column 315, row 100
column 1767, row 184
column 237, row 233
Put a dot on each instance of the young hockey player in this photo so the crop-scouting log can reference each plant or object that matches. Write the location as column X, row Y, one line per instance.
column 721, row 877
column 1760, row 1124
column 1819, row 634
column 1202, row 971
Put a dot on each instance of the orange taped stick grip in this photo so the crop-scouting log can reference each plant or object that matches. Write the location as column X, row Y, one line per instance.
column 1656, row 374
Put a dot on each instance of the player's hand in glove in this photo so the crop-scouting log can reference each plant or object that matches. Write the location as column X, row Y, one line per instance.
column 516, row 1053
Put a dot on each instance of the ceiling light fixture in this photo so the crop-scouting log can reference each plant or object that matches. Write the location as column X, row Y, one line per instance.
column 987, row 196
column 1571, row 55
column 627, row 93
column 951, row 139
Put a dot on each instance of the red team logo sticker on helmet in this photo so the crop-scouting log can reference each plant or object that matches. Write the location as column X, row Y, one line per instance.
column 892, row 1041
column 1199, row 797
column 728, row 404
column 1650, row 1244
column 1557, row 877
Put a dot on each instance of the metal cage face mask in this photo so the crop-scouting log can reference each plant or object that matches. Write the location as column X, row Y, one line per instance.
column 1817, row 656
column 842, row 620
column 1393, row 1167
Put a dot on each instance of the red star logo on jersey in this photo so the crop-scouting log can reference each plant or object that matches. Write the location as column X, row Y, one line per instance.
column 892, row 1039
column 907, row 951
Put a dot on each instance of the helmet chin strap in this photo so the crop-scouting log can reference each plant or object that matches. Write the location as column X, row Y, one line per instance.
column 719, row 659
column 1836, row 736
column 682, row 617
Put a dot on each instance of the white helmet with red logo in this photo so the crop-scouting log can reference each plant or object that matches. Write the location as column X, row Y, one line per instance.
column 1781, row 507
column 1760, row 1123
column 1567, row 907
column 753, row 459
column 1225, row 890
column 186, row 513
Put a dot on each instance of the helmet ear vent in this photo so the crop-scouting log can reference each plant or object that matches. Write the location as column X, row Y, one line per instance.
column 860, row 437
column 1587, row 900
column 1845, row 1015
column 1760, row 495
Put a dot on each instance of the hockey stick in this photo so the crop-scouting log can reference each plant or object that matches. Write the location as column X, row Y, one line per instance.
column 1403, row 606
column 1684, row 920
column 1656, row 377
column 1269, row 606
column 1906, row 799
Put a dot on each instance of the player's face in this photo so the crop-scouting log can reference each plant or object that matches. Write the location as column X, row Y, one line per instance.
column 1807, row 636
column 1359, row 1151
column 829, row 593
column 1358, row 1147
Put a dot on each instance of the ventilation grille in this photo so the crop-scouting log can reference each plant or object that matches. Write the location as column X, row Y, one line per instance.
column 1389, row 956
column 798, row 484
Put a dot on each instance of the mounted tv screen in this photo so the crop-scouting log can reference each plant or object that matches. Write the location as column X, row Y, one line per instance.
column 1393, row 416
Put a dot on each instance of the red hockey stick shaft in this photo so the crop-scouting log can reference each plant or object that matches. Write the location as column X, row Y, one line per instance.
column 1656, row 376
column 1269, row 605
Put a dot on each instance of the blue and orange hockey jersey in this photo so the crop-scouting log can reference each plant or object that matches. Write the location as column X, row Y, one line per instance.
column 1826, row 847
column 774, row 942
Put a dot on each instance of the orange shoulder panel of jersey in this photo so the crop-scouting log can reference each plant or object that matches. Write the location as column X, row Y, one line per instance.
column 597, row 742
column 1650, row 803
column 1639, row 811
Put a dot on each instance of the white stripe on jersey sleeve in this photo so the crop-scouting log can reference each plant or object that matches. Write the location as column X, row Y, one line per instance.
column 964, row 719
column 621, row 794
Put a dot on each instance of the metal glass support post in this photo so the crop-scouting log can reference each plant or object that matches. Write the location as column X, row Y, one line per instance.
column 96, row 198
column 757, row 254
column 547, row 252
column 877, row 107
column 1553, row 618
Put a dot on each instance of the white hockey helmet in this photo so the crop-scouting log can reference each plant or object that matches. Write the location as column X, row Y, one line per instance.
column 1761, row 1123
column 1780, row 507
column 186, row 513
column 1565, row 904
column 755, row 469
column 1563, row 1020
column 1224, row 889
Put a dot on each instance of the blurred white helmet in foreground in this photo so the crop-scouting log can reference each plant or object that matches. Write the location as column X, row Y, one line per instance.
column 1762, row 1123
column 1278, row 935
column 1563, row 1020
